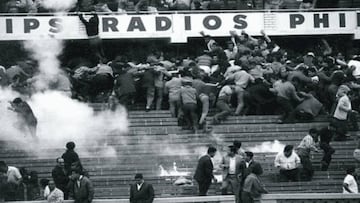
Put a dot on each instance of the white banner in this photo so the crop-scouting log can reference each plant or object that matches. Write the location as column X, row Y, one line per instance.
column 178, row 27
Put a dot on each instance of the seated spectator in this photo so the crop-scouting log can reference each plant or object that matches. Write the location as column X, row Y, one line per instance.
column 85, row 5
column 180, row 5
column 307, row 4
column 326, row 3
column 273, row 4
column 19, row 6
column 52, row 194
column 101, row 6
column 349, row 184
column 288, row 162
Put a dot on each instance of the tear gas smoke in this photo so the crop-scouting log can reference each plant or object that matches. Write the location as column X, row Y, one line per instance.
column 46, row 52
column 264, row 147
column 61, row 119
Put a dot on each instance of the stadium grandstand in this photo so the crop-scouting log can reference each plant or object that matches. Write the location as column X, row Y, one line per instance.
column 179, row 101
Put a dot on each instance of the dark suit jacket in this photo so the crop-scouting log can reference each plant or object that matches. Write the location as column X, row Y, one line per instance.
column 144, row 195
column 204, row 169
column 60, row 178
column 245, row 171
column 84, row 193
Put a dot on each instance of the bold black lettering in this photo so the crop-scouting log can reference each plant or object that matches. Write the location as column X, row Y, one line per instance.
column 55, row 24
column 207, row 19
column 324, row 20
column 159, row 23
column 136, row 23
column 296, row 19
column 110, row 23
column 240, row 22
column 30, row 24
column 358, row 19
column 187, row 22
column 342, row 20
column 9, row 26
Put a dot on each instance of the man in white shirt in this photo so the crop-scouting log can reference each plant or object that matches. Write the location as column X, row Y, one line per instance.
column 231, row 170
column 350, row 184
column 53, row 194
column 13, row 181
column 288, row 162
column 343, row 109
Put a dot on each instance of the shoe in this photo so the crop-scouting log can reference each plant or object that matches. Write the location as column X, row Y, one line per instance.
column 147, row 109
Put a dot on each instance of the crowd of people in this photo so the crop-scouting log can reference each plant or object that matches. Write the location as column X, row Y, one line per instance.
column 69, row 180
column 250, row 76
column 123, row 6
column 240, row 173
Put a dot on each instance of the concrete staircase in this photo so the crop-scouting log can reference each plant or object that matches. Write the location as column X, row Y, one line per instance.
column 155, row 139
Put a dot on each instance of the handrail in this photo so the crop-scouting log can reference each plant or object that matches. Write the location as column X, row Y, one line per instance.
column 183, row 12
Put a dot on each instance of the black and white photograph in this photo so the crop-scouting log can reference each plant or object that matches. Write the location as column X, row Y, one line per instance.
column 179, row 101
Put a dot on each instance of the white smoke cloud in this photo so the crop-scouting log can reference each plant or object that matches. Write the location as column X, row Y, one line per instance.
column 46, row 52
column 274, row 146
column 61, row 119
column 59, row 5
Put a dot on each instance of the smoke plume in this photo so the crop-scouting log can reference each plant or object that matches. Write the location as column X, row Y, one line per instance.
column 264, row 147
column 46, row 52
column 61, row 119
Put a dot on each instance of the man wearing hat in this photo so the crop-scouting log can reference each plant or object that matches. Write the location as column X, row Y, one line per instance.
column 140, row 191
column 231, row 170
column 28, row 121
column 343, row 108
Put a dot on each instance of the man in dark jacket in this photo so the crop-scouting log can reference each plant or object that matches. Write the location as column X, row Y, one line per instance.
column 326, row 135
column 82, row 189
column 28, row 121
column 70, row 157
column 140, row 191
column 124, row 86
column 204, row 171
column 92, row 31
column 60, row 178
